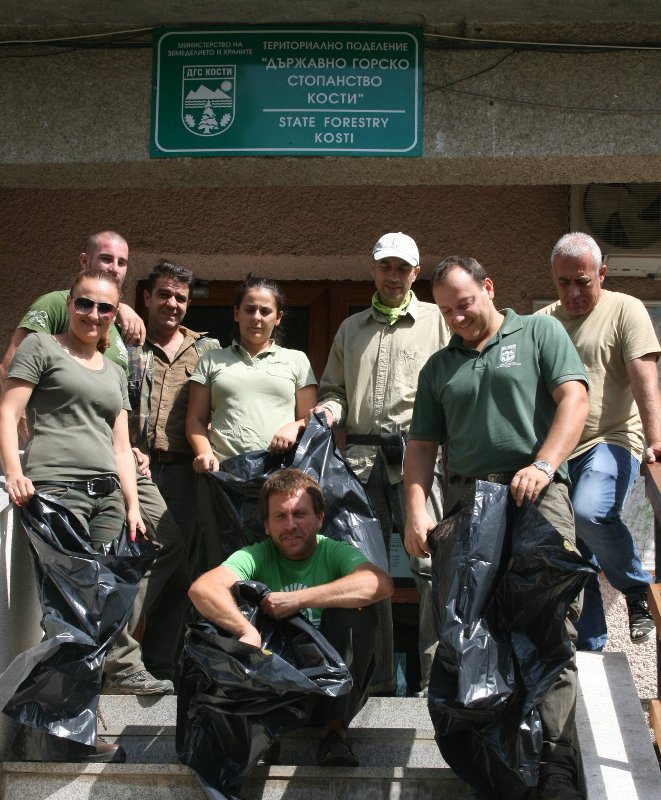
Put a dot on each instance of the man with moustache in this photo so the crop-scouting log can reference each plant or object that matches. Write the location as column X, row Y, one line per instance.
column 159, row 372
column 617, row 343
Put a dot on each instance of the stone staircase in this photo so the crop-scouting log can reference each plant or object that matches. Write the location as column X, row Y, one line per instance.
column 393, row 738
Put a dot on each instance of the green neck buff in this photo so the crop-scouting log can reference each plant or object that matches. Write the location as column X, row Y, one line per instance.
column 393, row 314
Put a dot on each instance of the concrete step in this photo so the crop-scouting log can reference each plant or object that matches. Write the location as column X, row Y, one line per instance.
column 374, row 747
column 393, row 737
column 619, row 761
column 172, row 782
column 387, row 731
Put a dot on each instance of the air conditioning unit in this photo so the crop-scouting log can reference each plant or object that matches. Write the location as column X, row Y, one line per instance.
column 625, row 220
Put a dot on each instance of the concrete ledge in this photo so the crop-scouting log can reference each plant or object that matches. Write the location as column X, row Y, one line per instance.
column 616, row 747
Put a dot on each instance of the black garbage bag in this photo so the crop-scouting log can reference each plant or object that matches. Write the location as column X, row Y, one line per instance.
column 235, row 699
column 348, row 514
column 86, row 598
column 503, row 579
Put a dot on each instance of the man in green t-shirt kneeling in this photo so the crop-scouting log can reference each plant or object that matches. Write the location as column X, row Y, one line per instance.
column 331, row 582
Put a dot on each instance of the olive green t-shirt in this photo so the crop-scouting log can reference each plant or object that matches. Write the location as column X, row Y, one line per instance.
column 71, row 412
column 494, row 407
column 616, row 331
column 263, row 562
column 48, row 314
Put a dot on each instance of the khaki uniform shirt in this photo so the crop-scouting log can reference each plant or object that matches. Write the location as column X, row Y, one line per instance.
column 616, row 331
column 371, row 377
column 166, row 426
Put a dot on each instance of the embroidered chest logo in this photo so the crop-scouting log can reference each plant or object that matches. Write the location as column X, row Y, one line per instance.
column 508, row 356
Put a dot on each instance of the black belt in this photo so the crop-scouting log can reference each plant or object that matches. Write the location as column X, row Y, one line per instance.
column 492, row 477
column 96, row 487
column 372, row 438
column 164, row 457
column 364, row 438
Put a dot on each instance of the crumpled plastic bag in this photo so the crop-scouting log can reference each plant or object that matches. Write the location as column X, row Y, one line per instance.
column 348, row 516
column 86, row 598
column 503, row 580
column 235, row 699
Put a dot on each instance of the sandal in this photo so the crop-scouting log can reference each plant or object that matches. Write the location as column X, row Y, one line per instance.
column 335, row 751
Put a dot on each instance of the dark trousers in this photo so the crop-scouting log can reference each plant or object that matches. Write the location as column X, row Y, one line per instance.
column 164, row 628
column 351, row 631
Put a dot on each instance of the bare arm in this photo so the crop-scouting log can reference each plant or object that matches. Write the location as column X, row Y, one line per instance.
column 12, row 406
column 367, row 584
column 211, row 596
column 419, row 463
column 17, row 337
column 131, row 326
column 286, row 437
column 571, row 399
column 126, row 470
column 644, row 380
column 197, row 428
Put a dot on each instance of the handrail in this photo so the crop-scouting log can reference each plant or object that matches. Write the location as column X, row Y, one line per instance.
column 652, row 473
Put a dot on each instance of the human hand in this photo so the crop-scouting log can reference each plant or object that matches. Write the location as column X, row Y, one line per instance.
column 528, row 483
column 418, row 526
column 141, row 462
column 653, row 452
column 23, row 428
column 280, row 605
column 320, row 410
column 19, row 488
column 134, row 523
column 251, row 636
column 131, row 326
column 206, row 462
column 284, row 438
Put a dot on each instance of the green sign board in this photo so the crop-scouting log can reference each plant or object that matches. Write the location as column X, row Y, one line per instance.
column 287, row 91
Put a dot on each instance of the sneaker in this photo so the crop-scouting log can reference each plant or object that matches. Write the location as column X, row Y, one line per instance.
column 139, row 683
column 558, row 787
column 335, row 751
column 641, row 624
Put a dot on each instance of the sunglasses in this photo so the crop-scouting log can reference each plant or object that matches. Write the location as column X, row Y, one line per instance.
column 84, row 306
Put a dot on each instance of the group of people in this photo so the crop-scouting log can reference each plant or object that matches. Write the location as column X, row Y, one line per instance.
column 561, row 405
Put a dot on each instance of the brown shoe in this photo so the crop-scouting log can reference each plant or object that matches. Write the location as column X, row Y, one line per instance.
column 334, row 751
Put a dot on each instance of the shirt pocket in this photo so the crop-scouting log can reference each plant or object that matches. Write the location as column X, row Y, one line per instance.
column 407, row 368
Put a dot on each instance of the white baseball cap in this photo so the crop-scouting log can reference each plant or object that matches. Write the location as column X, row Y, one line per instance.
column 397, row 245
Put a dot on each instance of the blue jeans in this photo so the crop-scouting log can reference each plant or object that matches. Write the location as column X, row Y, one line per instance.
column 601, row 480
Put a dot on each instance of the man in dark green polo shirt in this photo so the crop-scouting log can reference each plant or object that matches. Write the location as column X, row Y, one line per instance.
column 508, row 398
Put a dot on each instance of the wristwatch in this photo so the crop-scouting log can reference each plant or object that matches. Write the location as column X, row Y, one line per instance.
column 545, row 467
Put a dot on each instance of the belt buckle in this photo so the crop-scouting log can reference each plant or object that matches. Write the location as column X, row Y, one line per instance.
column 104, row 487
column 496, row 477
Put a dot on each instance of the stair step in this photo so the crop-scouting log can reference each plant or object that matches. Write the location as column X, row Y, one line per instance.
column 175, row 782
column 161, row 711
column 393, row 738
column 374, row 747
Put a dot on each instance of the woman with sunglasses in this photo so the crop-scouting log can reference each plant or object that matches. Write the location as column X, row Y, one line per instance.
column 251, row 395
column 76, row 403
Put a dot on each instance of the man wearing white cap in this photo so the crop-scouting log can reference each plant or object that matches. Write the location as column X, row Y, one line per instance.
column 368, row 387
